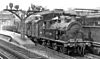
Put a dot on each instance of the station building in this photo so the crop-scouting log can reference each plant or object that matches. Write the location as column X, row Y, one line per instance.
column 7, row 20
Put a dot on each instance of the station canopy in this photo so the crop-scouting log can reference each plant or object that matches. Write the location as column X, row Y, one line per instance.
column 89, row 13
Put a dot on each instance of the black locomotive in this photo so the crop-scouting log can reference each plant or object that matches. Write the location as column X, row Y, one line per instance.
column 40, row 32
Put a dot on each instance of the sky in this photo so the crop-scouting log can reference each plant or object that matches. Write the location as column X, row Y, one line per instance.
column 52, row 4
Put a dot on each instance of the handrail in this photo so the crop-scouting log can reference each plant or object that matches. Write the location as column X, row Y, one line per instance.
column 98, row 43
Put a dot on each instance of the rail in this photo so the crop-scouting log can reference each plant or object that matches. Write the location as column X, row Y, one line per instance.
column 15, row 53
column 19, row 52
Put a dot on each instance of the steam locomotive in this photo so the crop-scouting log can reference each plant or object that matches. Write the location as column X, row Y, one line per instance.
column 39, row 31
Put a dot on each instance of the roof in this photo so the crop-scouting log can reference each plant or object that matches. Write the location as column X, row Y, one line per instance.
column 49, row 12
column 43, row 12
column 31, row 18
column 6, row 15
column 70, row 13
column 87, row 9
column 48, row 15
column 92, row 16
column 58, row 11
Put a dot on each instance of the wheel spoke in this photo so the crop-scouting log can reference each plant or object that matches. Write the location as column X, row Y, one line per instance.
column 48, row 44
column 35, row 41
column 54, row 45
column 43, row 42
column 63, row 49
column 81, row 50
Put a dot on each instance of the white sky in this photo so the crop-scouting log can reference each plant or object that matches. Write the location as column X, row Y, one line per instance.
column 51, row 4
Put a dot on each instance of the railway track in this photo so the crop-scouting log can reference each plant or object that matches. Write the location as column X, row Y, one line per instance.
column 6, row 54
column 88, row 56
column 58, row 54
column 29, row 53
column 19, row 52
column 47, row 50
column 49, row 53
column 10, row 53
column 92, row 56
